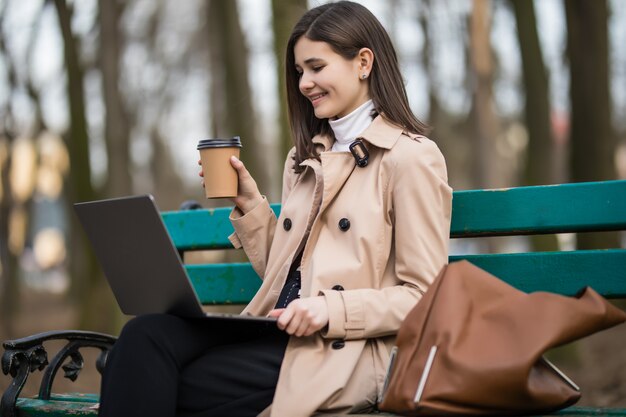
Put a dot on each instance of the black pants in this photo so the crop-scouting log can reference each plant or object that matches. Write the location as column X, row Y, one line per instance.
column 164, row 365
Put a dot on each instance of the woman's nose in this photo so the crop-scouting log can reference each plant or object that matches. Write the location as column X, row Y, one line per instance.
column 306, row 83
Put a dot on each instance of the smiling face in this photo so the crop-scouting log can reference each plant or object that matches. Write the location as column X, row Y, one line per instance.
column 332, row 83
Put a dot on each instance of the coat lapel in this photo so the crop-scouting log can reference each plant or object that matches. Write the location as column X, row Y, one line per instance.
column 336, row 169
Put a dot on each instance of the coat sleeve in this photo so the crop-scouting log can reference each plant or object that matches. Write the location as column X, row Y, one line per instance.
column 421, row 201
column 254, row 231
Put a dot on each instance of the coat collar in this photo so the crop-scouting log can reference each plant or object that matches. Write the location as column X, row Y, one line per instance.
column 380, row 133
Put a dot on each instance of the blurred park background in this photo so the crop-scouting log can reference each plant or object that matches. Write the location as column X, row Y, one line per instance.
column 105, row 98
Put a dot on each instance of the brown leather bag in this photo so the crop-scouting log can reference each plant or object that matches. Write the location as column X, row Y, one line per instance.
column 473, row 345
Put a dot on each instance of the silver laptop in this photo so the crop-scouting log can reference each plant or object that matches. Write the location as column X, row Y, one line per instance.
column 140, row 261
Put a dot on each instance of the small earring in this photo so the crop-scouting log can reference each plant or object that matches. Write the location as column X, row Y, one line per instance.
column 364, row 76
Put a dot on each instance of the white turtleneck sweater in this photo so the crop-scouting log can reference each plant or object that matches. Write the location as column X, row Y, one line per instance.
column 347, row 128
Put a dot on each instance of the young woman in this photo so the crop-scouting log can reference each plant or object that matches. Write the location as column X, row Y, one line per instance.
column 362, row 233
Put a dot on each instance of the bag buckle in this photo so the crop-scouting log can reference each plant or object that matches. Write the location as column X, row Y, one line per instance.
column 360, row 153
column 560, row 373
column 392, row 360
column 427, row 366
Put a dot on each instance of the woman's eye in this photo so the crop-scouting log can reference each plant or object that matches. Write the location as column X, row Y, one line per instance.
column 317, row 69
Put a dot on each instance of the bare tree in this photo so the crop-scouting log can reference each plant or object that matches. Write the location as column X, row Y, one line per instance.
column 592, row 138
column 167, row 186
column 12, row 204
column 449, row 129
column 482, row 113
column 540, row 151
column 117, row 126
column 116, row 129
column 88, row 285
column 284, row 16
column 536, row 87
column 427, row 51
column 9, row 289
column 231, row 102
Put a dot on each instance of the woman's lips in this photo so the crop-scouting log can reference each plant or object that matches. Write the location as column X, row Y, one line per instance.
column 316, row 98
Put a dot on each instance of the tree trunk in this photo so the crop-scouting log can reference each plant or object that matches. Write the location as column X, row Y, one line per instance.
column 116, row 131
column 424, row 22
column 593, row 141
column 12, row 204
column 537, row 109
column 231, row 97
column 285, row 14
column 444, row 126
column 116, row 127
column 486, row 168
column 9, row 288
column 540, row 150
column 88, row 286
column 169, row 189
column 484, row 120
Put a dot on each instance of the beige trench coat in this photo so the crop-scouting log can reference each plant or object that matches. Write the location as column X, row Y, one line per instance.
column 371, row 273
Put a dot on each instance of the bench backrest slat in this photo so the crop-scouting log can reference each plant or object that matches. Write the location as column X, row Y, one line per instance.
column 564, row 208
column 201, row 229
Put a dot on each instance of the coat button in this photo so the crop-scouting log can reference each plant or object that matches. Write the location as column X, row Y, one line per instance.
column 338, row 288
column 287, row 224
column 344, row 224
column 338, row 344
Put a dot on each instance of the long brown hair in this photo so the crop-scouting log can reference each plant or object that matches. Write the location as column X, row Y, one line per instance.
column 346, row 27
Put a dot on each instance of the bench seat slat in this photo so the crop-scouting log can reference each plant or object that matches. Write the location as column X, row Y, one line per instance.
column 590, row 411
column 563, row 208
column 559, row 272
column 58, row 407
column 567, row 412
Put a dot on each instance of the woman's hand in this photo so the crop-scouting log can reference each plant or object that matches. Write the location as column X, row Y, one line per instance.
column 302, row 317
column 248, row 194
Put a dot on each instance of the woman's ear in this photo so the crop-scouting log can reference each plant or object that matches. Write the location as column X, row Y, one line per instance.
column 366, row 61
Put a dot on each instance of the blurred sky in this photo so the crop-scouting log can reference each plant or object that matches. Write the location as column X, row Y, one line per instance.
column 187, row 119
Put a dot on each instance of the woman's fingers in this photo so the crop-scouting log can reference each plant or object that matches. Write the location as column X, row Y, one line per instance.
column 303, row 317
column 242, row 172
column 237, row 164
column 201, row 172
column 248, row 195
column 292, row 326
column 302, row 328
column 285, row 319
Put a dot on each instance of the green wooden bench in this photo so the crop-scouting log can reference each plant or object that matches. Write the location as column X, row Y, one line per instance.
column 566, row 208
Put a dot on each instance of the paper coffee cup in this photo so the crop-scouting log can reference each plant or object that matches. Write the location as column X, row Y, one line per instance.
column 220, row 178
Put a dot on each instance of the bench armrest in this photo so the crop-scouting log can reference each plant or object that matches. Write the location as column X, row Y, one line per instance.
column 25, row 355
